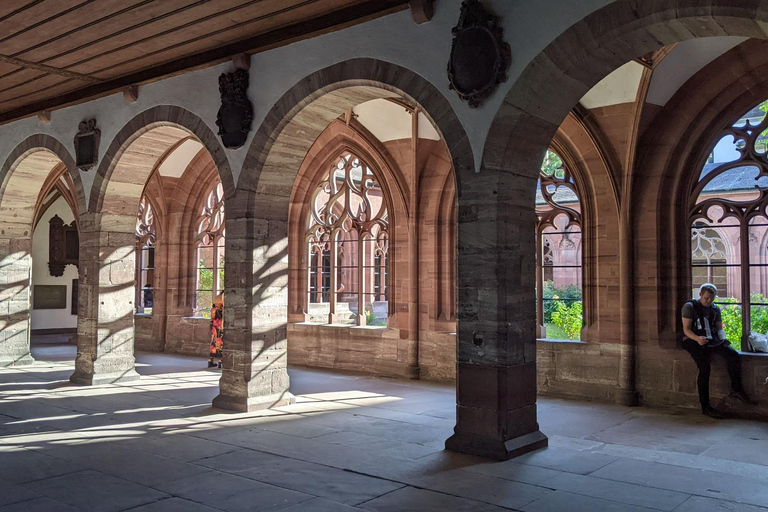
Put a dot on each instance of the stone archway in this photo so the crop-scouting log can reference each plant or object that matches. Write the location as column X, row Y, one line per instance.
column 108, row 239
column 22, row 177
column 255, row 373
column 502, row 362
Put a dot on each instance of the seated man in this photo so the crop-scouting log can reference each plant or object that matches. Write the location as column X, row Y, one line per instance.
column 704, row 336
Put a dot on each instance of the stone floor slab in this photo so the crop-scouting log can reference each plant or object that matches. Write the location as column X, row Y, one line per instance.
column 321, row 505
column 13, row 493
column 700, row 504
column 630, row 494
column 560, row 501
column 409, row 499
column 321, row 481
column 24, row 465
column 38, row 505
column 174, row 505
column 692, row 481
column 566, row 460
column 233, row 493
column 94, row 491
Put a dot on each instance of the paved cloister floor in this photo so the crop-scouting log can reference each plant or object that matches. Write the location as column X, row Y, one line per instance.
column 349, row 443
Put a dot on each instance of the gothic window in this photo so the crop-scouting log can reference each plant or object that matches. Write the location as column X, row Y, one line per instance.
column 559, row 256
column 210, row 250
column 145, row 262
column 729, row 223
column 348, row 246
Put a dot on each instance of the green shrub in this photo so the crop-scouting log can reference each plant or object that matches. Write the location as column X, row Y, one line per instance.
column 569, row 294
column 568, row 318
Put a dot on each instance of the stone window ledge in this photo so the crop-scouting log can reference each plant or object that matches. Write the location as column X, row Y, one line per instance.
column 753, row 354
column 550, row 340
column 143, row 315
column 343, row 326
column 194, row 318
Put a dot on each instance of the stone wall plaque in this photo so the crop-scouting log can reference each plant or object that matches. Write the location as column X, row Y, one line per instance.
column 479, row 56
column 87, row 145
column 63, row 246
column 236, row 112
column 48, row 296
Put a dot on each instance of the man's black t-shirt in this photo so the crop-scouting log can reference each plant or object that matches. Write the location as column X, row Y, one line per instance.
column 705, row 320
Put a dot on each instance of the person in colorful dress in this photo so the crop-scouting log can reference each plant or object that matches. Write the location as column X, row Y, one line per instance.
column 217, row 331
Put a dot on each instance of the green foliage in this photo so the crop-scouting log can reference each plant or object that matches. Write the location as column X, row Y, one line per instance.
column 368, row 317
column 552, row 165
column 205, row 278
column 568, row 318
column 731, row 313
column 569, row 294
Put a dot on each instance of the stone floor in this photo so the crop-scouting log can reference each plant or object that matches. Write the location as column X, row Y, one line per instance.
column 349, row 443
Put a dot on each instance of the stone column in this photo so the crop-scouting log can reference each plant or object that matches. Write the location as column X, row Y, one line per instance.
column 255, row 374
column 496, row 370
column 15, row 278
column 105, row 304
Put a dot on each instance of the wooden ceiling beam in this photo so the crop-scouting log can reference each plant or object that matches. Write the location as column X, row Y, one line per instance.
column 337, row 20
column 48, row 69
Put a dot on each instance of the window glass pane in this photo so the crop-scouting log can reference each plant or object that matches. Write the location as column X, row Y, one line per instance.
column 210, row 253
column 560, row 246
column 204, row 303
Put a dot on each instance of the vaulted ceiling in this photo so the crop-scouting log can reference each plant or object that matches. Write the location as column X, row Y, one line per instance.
column 59, row 52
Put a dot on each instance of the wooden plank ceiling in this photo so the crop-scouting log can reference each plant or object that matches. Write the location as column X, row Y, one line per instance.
column 55, row 53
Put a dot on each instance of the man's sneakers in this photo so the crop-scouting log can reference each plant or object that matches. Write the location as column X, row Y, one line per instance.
column 711, row 412
column 741, row 397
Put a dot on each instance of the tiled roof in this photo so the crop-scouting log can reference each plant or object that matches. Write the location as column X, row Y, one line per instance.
column 736, row 179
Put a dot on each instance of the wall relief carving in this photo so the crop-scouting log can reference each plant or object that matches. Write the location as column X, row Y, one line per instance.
column 479, row 56
column 236, row 112
column 63, row 246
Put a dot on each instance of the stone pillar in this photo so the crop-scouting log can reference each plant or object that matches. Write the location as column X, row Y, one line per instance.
column 255, row 374
column 496, row 370
column 105, row 304
column 15, row 278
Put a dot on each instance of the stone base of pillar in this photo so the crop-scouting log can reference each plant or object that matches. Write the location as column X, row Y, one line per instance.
column 413, row 373
column 20, row 360
column 495, row 448
column 89, row 379
column 627, row 397
column 256, row 403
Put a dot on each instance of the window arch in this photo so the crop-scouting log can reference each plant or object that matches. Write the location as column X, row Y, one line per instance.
column 348, row 246
column 209, row 242
column 559, row 251
column 728, row 219
column 146, row 237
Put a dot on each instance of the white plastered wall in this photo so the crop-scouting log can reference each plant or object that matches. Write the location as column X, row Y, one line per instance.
column 51, row 318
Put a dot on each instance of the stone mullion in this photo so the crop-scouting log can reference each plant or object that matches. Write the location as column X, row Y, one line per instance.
column 255, row 372
column 496, row 374
column 106, row 303
column 15, row 322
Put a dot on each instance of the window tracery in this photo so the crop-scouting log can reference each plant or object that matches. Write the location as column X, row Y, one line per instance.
column 728, row 218
column 146, row 234
column 348, row 245
column 559, row 256
column 210, row 241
